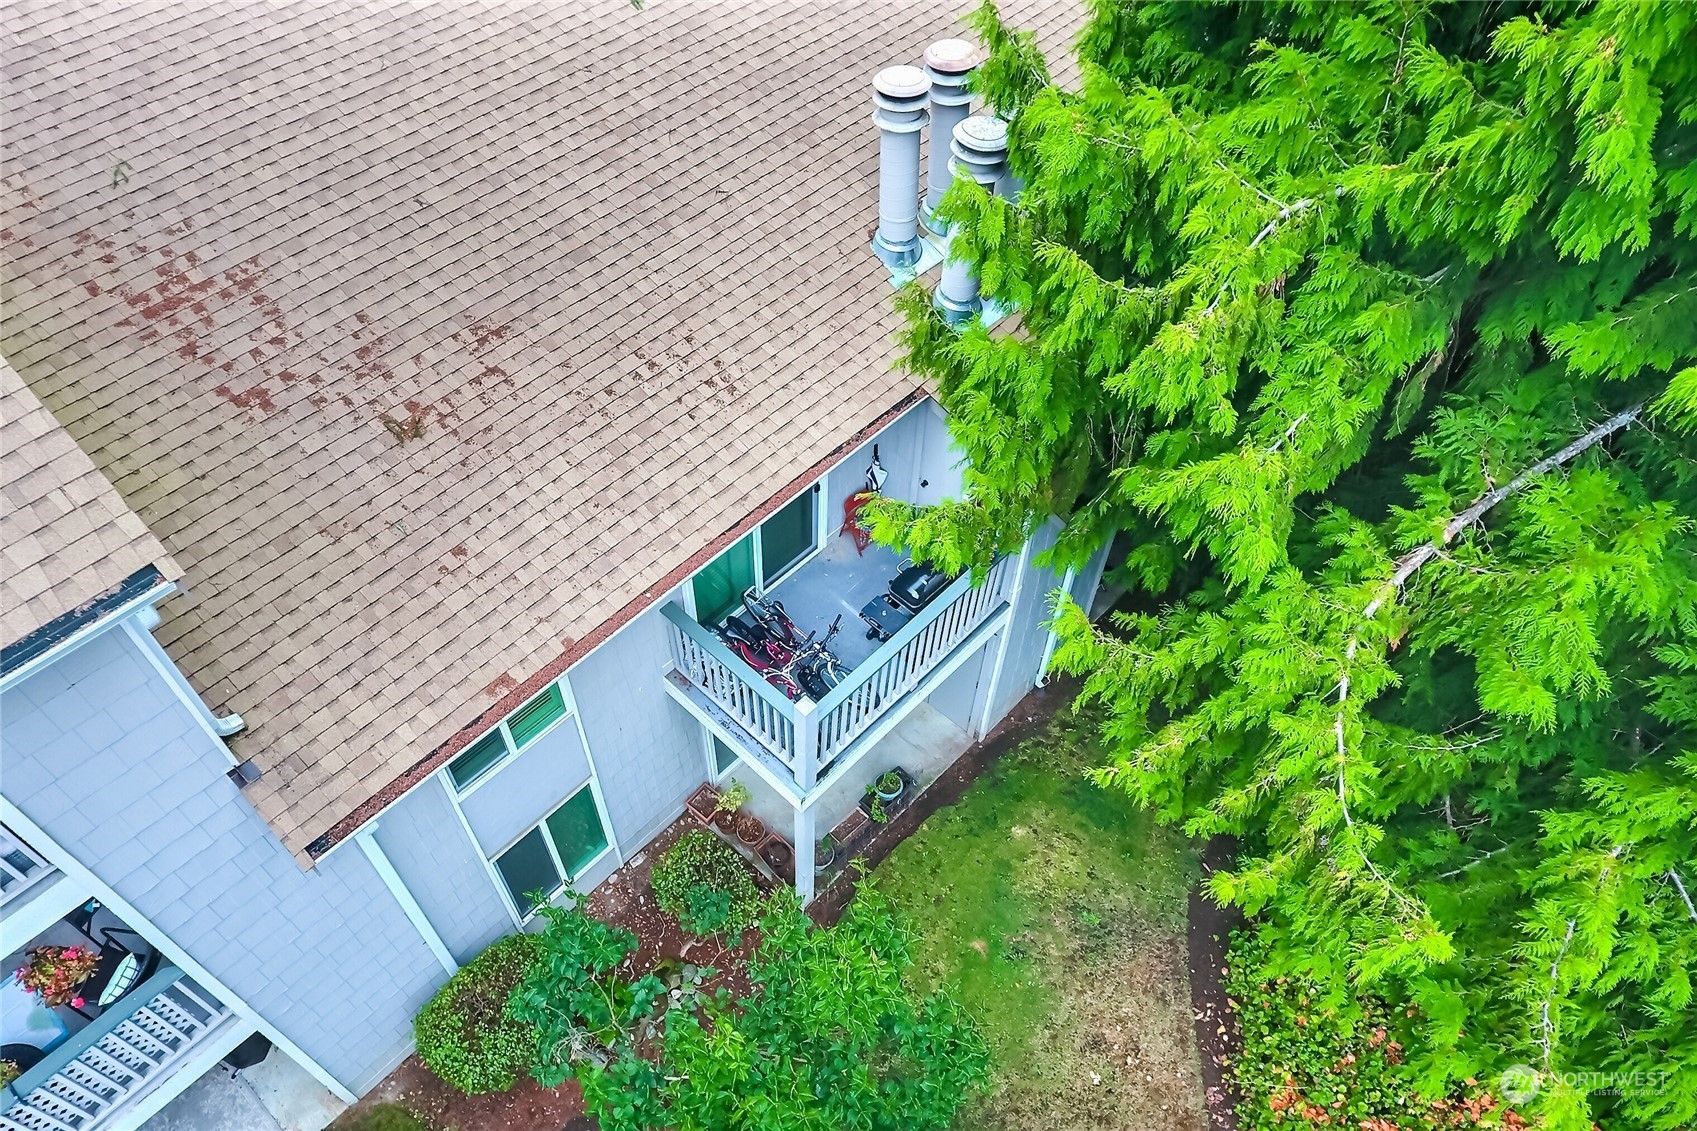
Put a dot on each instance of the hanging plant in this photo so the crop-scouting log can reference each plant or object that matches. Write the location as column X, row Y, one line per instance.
column 55, row 972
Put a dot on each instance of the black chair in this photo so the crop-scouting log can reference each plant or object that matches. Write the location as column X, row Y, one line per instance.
column 109, row 964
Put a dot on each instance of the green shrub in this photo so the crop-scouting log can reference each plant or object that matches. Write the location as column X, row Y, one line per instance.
column 1307, row 1062
column 465, row 1034
column 703, row 882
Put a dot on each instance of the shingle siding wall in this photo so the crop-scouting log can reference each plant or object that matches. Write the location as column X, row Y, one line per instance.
column 435, row 858
column 98, row 750
column 647, row 750
column 519, row 794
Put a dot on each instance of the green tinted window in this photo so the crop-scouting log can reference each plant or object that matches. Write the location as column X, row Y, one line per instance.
column 577, row 832
column 527, row 867
column 720, row 586
column 723, row 756
column 482, row 754
column 536, row 716
column 786, row 536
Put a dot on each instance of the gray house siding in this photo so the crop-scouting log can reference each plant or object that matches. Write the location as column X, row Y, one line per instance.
column 440, row 865
column 100, row 752
column 647, row 750
column 916, row 451
column 519, row 794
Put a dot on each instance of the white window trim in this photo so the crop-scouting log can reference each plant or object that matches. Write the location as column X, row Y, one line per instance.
column 757, row 542
column 714, row 773
column 513, row 748
column 521, row 917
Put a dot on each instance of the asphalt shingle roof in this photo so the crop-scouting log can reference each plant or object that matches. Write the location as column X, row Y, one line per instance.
column 65, row 535
column 435, row 340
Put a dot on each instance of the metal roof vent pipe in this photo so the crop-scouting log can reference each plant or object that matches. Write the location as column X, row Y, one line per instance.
column 980, row 149
column 899, row 94
column 949, row 64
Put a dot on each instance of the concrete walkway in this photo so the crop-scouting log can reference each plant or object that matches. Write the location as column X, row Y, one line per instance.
column 274, row 1095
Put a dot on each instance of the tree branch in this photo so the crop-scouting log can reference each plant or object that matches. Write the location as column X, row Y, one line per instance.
column 1294, row 209
column 1683, row 894
column 1414, row 559
column 1410, row 562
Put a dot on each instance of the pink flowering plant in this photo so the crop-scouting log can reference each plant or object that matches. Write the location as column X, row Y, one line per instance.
column 55, row 972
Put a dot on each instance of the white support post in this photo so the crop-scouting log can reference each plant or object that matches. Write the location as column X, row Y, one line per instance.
column 1054, row 638
column 367, row 837
column 806, row 745
column 985, row 721
column 804, row 853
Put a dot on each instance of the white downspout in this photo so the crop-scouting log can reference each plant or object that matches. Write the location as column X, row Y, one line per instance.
column 403, row 895
column 1049, row 647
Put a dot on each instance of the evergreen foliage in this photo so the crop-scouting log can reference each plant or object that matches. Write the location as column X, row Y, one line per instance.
column 1374, row 327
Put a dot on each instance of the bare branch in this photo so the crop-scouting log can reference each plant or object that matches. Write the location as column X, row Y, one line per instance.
column 1414, row 559
column 1683, row 894
column 1294, row 209
column 1410, row 562
column 1290, row 434
column 1547, row 1029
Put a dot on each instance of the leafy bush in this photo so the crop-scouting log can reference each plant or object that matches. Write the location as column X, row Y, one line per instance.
column 572, row 998
column 1307, row 1061
column 703, row 882
column 465, row 1033
column 831, row 1037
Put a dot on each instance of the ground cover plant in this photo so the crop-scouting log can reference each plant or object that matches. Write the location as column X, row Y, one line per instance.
column 464, row 1032
column 1374, row 326
column 1058, row 910
column 706, row 885
column 1310, row 1060
column 830, row 1036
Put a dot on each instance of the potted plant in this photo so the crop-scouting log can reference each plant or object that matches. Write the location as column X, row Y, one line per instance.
column 884, row 790
column 751, row 830
column 824, row 856
column 9, row 1071
column 725, row 809
column 54, row 972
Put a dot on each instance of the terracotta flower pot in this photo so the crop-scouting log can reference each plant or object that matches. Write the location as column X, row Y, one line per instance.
column 751, row 830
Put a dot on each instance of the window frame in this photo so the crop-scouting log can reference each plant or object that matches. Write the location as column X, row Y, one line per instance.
column 757, row 543
column 513, row 748
column 564, row 877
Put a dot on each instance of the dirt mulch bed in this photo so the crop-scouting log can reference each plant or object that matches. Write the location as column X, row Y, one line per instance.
column 1218, row 1038
column 626, row 899
column 528, row 1107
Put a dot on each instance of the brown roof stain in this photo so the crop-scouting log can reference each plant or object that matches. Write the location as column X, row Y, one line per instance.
column 605, row 271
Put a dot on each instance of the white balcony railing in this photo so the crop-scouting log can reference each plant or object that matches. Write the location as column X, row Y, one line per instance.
column 21, row 868
column 808, row 737
column 88, row 1082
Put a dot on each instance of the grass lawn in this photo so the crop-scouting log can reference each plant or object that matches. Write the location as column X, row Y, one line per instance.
column 1058, row 912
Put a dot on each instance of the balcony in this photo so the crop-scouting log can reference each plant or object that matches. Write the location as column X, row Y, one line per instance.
column 106, row 1069
column 802, row 740
column 119, row 1043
